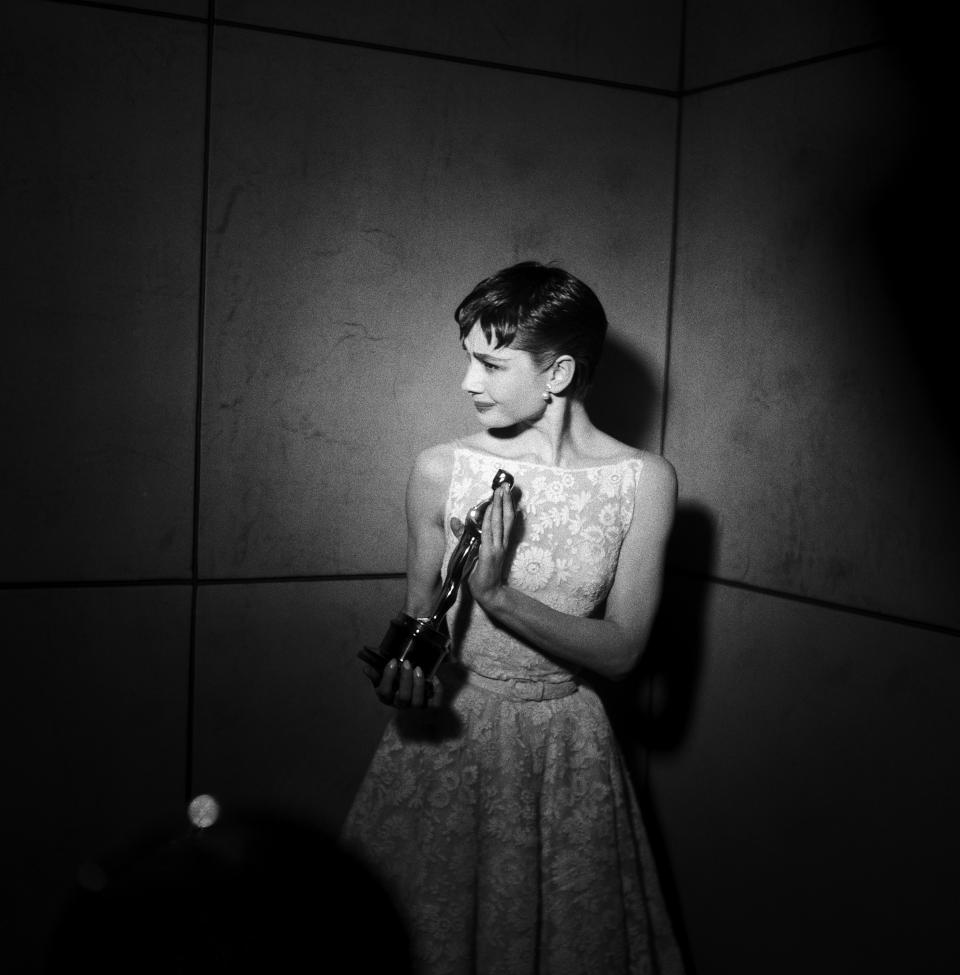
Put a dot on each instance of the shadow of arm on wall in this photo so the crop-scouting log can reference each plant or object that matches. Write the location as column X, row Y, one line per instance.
column 652, row 707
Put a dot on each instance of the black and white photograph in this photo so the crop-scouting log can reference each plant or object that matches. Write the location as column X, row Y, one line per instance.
column 480, row 488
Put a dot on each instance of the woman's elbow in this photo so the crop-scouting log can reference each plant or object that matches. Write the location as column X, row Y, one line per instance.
column 626, row 650
column 625, row 642
column 617, row 671
column 619, row 665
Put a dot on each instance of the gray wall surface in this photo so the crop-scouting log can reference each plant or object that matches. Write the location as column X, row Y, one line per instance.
column 234, row 246
column 806, row 795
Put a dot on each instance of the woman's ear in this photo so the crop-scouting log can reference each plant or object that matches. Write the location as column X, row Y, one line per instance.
column 561, row 373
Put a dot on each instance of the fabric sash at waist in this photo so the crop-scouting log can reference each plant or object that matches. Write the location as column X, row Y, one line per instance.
column 521, row 689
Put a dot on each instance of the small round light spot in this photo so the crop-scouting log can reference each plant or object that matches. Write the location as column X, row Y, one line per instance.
column 203, row 811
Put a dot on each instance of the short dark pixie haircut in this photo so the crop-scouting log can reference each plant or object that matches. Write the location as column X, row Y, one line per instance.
column 542, row 310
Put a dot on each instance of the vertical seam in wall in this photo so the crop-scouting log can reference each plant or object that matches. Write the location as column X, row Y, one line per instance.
column 198, row 406
column 682, row 56
column 671, row 288
column 671, row 277
column 674, row 221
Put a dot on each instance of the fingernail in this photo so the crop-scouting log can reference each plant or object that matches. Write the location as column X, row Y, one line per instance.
column 406, row 665
column 392, row 665
column 417, row 672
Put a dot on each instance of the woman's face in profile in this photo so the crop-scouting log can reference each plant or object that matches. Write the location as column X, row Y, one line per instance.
column 505, row 384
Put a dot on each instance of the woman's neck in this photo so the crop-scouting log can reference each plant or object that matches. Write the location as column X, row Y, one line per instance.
column 559, row 437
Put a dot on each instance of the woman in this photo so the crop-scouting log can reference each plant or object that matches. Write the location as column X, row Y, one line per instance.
column 497, row 807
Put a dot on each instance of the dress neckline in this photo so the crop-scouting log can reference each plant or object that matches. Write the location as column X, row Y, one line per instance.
column 549, row 467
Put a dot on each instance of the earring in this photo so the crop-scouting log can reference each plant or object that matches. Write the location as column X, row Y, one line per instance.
column 546, row 394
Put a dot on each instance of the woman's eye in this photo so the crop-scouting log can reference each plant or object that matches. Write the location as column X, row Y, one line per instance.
column 490, row 367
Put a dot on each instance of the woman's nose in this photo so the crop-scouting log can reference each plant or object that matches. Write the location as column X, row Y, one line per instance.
column 472, row 378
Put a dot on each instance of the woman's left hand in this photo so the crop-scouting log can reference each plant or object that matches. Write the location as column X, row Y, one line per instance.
column 486, row 579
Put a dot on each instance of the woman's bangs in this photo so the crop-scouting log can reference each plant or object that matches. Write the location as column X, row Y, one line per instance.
column 499, row 326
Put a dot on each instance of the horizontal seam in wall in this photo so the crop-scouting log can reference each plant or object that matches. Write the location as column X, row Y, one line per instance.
column 452, row 58
column 386, row 576
column 120, row 8
column 780, row 68
column 95, row 583
column 815, row 601
column 189, row 581
column 386, row 48
column 334, row 577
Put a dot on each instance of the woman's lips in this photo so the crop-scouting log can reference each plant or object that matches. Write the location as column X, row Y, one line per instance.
column 482, row 406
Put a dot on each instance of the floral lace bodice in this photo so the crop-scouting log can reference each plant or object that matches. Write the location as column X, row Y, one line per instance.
column 566, row 542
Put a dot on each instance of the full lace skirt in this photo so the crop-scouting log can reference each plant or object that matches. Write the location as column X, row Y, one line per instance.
column 510, row 836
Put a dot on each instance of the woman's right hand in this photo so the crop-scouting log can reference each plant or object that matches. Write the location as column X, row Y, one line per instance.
column 403, row 686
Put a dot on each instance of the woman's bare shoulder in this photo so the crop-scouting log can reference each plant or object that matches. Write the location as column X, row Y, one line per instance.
column 434, row 465
column 656, row 493
column 428, row 484
column 658, row 471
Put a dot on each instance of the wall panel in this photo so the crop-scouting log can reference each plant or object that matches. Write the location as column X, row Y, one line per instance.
column 285, row 717
column 100, row 190
column 356, row 197
column 618, row 40
column 803, row 406
column 810, row 811
column 94, row 708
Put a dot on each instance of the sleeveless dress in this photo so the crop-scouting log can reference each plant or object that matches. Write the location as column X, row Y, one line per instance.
column 505, row 825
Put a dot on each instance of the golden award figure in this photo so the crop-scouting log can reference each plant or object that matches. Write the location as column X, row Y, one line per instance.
column 424, row 641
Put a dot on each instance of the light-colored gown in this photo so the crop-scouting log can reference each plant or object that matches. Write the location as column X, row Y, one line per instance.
column 508, row 828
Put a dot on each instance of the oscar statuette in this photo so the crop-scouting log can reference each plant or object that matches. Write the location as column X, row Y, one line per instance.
column 424, row 641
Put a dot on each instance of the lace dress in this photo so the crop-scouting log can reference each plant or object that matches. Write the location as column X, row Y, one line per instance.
column 507, row 827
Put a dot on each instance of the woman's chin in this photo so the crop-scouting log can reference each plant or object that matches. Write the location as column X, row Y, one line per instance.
column 491, row 419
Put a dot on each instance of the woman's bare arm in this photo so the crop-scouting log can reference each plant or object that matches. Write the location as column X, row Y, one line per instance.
column 426, row 491
column 403, row 686
column 609, row 646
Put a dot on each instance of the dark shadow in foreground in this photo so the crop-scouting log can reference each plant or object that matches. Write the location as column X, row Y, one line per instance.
column 251, row 893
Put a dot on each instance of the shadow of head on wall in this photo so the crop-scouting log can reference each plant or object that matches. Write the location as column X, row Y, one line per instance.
column 623, row 399
column 653, row 706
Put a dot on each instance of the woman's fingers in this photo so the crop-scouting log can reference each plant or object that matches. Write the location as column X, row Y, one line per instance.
column 496, row 520
column 419, row 696
column 482, row 555
column 403, row 686
column 404, row 693
column 388, row 683
column 486, row 526
column 508, row 514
